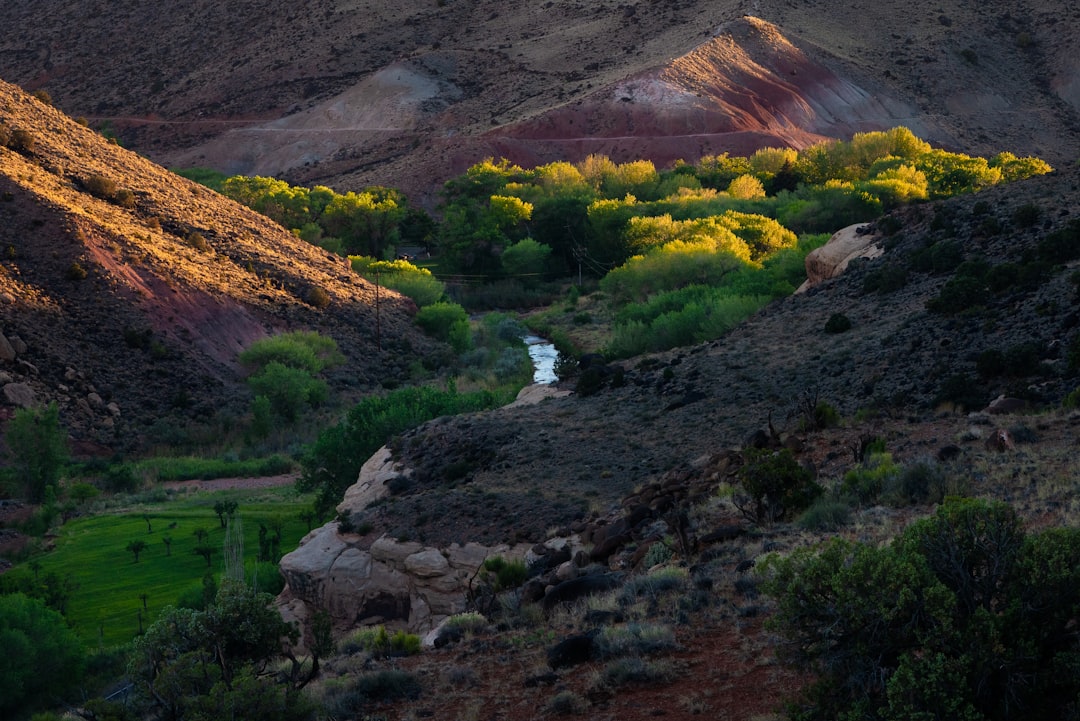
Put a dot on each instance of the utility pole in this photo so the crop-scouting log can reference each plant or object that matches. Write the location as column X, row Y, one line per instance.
column 378, row 318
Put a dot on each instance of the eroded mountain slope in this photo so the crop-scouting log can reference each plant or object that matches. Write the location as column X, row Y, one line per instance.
column 144, row 298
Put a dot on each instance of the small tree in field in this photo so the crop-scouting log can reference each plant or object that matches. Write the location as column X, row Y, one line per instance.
column 224, row 509
column 136, row 547
column 205, row 550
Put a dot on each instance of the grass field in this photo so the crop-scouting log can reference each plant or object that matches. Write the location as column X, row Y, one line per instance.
column 106, row 603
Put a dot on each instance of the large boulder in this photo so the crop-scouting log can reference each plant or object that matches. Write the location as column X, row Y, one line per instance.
column 20, row 394
column 360, row 581
column 832, row 259
column 7, row 351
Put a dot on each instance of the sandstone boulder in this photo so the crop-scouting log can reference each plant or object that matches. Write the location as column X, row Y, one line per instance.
column 832, row 259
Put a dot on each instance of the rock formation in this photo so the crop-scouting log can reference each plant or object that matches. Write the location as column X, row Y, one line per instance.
column 365, row 578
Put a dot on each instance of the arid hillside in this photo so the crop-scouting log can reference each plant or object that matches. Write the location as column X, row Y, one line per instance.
column 408, row 94
column 127, row 292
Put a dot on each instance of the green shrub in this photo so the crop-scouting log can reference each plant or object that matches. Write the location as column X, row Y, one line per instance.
column 777, row 486
column 1027, row 215
column 526, row 258
column 379, row 642
column 317, row 297
column 199, row 242
column 632, row 670
column 923, row 481
column 22, row 141
column 815, row 414
column 503, row 574
column 825, row 514
column 350, row 696
column 661, row 580
column 837, row 323
column 658, row 553
column 958, row 295
column 885, row 278
column 962, row 390
column 962, row 616
column 402, row 276
column 37, row 450
column 307, row 350
column 1062, row 245
column 75, row 271
column 438, row 319
column 42, row 658
column 100, row 186
column 633, row 639
column 470, row 621
column 867, row 482
column 566, row 703
column 288, row 389
column 125, row 198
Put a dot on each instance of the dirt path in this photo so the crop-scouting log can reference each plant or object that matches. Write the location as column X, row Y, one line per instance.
column 225, row 484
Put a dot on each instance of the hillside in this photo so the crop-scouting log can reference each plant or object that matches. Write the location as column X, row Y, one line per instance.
column 144, row 300
column 407, row 95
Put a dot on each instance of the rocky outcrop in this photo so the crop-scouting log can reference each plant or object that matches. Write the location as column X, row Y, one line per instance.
column 832, row 259
column 364, row 579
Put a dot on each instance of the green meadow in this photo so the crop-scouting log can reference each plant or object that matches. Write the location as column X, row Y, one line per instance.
column 109, row 586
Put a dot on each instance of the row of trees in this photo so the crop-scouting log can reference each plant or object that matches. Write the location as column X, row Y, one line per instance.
column 584, row 211
column 580, row 211
column 372, row 222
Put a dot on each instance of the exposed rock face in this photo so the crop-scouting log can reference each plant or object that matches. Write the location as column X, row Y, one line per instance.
column 20, row 394
column 832, row 259
column 362, row 580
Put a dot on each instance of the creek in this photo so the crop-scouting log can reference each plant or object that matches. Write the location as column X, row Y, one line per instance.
column 543, row 355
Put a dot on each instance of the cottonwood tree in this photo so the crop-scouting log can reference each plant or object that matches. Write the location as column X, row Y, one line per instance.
column 38, row 448
column 217, row 662
column 42, row 657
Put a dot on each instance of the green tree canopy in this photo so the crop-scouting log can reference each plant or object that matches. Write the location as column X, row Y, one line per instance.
column 194, row 664
column 37, row 445
column 42, row 657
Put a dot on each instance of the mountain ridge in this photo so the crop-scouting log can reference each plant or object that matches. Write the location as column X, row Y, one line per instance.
column 212, row 90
